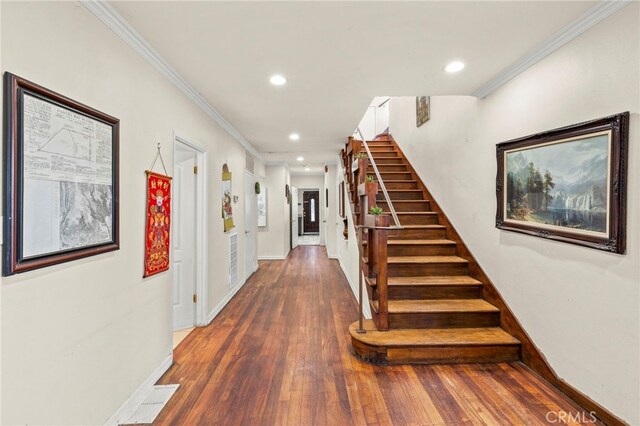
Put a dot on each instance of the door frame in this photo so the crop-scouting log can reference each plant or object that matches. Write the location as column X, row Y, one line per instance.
column 202, row 245
column 320, row 201
column 254, row 229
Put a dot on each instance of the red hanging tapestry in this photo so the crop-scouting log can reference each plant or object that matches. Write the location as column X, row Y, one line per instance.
column 156, row 258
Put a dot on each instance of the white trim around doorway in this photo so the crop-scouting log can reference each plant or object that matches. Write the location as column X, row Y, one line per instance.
column 202, row 246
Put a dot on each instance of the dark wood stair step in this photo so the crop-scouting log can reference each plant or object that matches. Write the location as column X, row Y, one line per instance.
column 410, row 266
column 402, row 194
column 430, row 287
column 397, row 176
column 399, row 184
column 418, row 232
column 388, row 168
column 384, row 154
column 440, row 313
column 405, row 205
column 433, row 247
column 389, row 160
column 434, row 346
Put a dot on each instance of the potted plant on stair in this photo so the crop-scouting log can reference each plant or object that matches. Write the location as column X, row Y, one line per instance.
column 377, row 217
column 371, row 190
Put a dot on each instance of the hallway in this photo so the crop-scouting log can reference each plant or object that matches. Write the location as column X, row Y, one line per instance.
column 279, row 353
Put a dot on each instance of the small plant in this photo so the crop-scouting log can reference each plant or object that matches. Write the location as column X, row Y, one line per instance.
column 361, row 155
column 257, row 187
column 369, row 178
column 375, row 210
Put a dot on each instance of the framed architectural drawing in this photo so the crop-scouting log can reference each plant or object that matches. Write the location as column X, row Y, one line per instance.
column 567, row 184
column 60, row 178
column 423, row 110
column 262, row 208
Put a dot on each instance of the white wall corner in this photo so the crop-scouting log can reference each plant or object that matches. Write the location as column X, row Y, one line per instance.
column 215, row 311
column 140, row 394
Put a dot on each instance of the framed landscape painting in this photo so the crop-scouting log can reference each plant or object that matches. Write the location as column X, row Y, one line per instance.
column 567, row 184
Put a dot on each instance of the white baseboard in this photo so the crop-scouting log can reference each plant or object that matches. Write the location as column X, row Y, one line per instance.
column 272, row 257
column 214, row 313
column 140, row 394
column 366, row 309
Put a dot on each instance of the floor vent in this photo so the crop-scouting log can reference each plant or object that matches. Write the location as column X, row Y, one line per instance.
column 233, row 260
column 151, row 406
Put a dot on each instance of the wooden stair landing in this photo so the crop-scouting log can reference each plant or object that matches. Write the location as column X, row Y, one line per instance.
column 432, row 346
column 436, row 310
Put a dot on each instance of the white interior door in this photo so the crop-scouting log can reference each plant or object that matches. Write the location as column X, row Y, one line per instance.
column 250, row 224
column 294, row 217
column 184, row 238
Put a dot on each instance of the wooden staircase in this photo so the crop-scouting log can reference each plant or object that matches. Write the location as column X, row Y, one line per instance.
column 435, row 311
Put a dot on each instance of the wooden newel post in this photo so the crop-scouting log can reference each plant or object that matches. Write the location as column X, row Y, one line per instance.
column 371, row 189
column 382, row 279
column 361, row 172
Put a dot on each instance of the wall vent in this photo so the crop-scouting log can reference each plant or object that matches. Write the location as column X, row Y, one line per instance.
column 233, row 260
column 249, row 161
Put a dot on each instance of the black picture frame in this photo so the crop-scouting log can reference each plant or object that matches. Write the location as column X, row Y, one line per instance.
column 21, row 97
column 610, row 207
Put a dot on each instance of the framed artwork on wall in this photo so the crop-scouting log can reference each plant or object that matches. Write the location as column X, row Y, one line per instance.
column 227, row 197
column 60, row 178
column 262, row 208
column 567, row 184
column 423, row 110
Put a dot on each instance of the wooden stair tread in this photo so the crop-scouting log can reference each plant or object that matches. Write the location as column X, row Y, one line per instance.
column 432, row 337
column 445, row 280
column 437, row 306
column 416, row 242
column 422, row 259
column 403, row 201
column 423, row 227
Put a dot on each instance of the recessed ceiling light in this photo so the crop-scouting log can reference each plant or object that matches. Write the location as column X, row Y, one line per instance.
column 454, row 66
column 306, row 169
column 277, row 80
column 294, row 136
column 300, row 158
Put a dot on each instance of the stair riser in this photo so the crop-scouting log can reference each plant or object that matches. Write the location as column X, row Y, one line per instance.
column 382, row 150
column 444, row 320
column 395, row 195
column 389, row 168
column 383, row 155
column 387, row 161
column 419, row 219
column 418, row 292
column 422, row 269
column 421, row 250
column 418, row 234
column 400, row 185
column 395, row 176
column 451, row 354
column 405, row 207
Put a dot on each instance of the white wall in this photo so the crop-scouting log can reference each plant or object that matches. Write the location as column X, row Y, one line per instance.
column 273, row 240
column 333, row 222
column 78, row 338
column 580, row 306
column 347, row 249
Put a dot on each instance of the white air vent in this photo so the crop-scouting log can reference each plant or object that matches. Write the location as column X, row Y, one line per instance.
column 233, row 260
column 151, row 406
column 249, row 161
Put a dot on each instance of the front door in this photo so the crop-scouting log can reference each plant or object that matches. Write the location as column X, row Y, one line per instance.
column 311, row 211
column 184, row 238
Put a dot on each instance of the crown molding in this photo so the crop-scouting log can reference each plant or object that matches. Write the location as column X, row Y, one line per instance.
column 116, row 23
column 590, row 18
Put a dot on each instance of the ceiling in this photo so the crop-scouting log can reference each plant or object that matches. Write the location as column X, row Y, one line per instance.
column 336, row 56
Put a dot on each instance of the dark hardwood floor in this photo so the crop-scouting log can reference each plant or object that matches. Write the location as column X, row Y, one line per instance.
column 280, row 354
